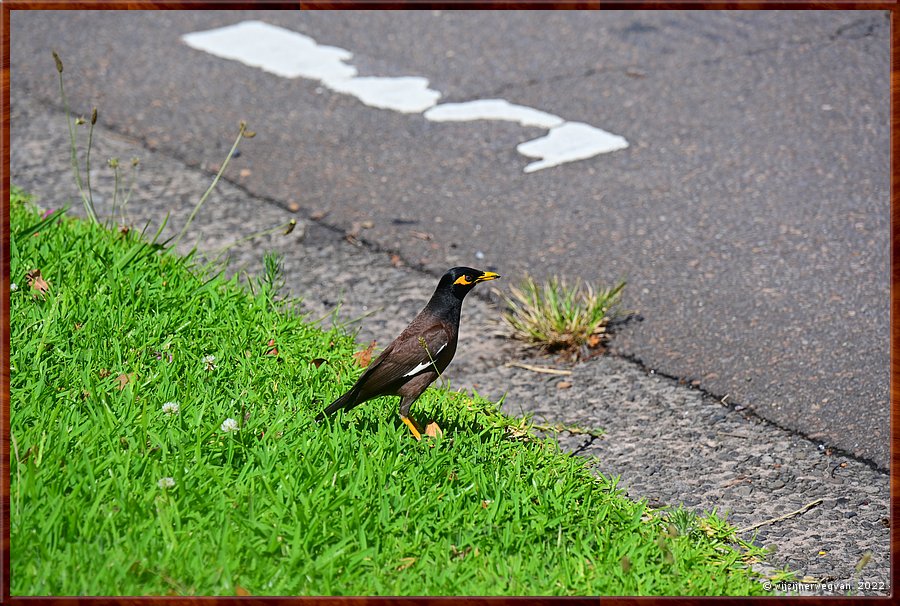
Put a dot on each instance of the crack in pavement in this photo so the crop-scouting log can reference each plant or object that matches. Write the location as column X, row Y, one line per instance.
column 748, row 410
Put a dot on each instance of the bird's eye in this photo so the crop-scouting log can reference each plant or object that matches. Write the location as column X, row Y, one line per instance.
column 469, row 278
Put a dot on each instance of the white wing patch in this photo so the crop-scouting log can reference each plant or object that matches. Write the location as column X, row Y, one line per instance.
column 426, row 364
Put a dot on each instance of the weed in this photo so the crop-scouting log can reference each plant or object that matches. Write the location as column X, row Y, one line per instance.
column 114, row 164
column 683, row 520
column 84, row 185
column 87, row 197
column 243, row 133
column 558, row 316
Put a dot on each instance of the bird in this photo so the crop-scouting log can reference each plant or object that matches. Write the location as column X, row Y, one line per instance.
column 420, row 353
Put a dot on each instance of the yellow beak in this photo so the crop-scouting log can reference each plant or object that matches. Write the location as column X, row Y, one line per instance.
column 488, row 275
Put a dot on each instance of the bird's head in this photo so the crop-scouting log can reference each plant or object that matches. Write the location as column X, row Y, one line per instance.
column 460, row 280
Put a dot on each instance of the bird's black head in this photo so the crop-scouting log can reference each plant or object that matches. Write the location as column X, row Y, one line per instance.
column 460, row 280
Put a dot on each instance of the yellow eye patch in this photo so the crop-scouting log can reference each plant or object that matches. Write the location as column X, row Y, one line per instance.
column 464, row 280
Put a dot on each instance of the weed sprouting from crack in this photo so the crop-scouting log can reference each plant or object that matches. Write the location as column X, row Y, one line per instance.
column 558, row 316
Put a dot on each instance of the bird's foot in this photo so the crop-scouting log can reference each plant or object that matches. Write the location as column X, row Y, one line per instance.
column 412, row 428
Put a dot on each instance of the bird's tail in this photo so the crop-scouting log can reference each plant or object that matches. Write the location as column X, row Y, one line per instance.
column 348, row 400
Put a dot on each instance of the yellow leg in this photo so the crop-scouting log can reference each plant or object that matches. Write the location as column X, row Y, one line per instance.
column 412, row 428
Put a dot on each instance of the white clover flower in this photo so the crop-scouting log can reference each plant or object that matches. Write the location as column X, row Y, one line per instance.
column 167, row 482
column 229, row 425
column 13, row 287
column 171, row 408
column 210, row 361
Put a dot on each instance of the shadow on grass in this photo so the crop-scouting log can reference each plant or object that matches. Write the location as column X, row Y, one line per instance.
column 454, row 413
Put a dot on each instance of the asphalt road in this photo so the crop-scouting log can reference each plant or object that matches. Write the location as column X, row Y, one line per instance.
column 749, row 213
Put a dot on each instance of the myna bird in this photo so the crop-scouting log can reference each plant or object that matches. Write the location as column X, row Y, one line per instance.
column 422, row 351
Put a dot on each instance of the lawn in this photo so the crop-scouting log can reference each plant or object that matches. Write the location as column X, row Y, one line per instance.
column 163, row 442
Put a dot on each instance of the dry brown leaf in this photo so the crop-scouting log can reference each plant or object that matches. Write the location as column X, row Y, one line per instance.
column 594, row 341
column 563, row 385
column 124, row 379
column 37, row 282
column 396, row 261
column 364, row 357
column 407, row 562
column 273, row 351
column 318, row 361
column 433, row 430
column 238, row 590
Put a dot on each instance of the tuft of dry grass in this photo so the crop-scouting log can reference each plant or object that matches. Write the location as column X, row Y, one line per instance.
column 556, row 315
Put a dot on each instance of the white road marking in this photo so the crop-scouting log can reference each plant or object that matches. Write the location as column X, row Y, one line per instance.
column 569, row 142
column 425, row 365
column 409, row 94
column 492, row 109
column 274, row 49
column 290, row 54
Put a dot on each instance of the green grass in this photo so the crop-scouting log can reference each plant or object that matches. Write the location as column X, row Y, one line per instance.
column 283, row 506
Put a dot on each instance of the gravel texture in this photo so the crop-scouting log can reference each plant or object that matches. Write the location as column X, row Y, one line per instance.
column 669, row 443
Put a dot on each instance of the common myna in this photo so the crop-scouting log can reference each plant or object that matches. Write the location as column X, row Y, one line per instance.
column 423, row 350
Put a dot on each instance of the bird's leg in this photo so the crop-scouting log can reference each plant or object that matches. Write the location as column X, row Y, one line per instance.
column 412, row 428
column 405, row 404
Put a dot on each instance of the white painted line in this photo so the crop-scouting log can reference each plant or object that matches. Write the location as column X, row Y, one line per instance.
column 274, row 49
column 569, row 142
column 292, row 55
column 288, row 54
column 407, row 94
column 492, row 109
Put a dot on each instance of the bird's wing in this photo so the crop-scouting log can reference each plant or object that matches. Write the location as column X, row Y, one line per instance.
column 412, row 353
